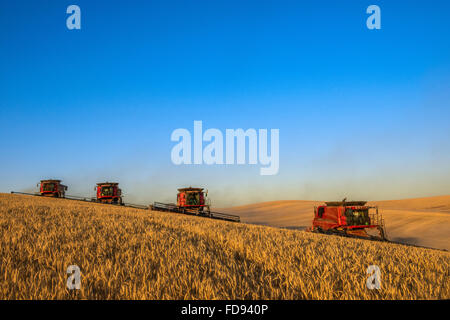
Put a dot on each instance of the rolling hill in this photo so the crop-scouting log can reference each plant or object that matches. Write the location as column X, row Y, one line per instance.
column 420, row 221
column 126, row 253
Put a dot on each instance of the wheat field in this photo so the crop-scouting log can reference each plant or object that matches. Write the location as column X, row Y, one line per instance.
column 126, row 253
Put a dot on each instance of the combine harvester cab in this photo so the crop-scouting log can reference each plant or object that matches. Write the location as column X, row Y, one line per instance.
column 192, row 200
column 353, row 218
column 52, row 188
column 108, row 192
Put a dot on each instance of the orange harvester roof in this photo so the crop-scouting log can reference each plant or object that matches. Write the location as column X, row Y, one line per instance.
column 190, row 189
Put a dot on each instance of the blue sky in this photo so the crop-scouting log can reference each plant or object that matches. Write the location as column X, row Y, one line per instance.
column 361, row 113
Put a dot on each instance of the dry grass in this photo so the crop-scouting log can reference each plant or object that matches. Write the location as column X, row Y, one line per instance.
column 133, row 254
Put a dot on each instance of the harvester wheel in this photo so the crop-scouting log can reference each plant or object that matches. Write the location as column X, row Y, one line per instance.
column 382, row 235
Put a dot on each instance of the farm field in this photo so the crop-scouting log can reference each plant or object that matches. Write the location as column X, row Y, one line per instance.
column 419, row 221
column 126, row 253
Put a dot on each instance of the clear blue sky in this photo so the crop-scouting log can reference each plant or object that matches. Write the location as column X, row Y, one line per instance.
column 361, row 113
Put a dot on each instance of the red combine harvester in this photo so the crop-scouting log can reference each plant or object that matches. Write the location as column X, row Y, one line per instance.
column 190, row 200
column 193, row 201
column 353, row 218
column 52, row 188
column 108, row 192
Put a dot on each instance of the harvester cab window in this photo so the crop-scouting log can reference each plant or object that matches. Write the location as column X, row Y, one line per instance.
column 48, row 187
column 357, row 217
column 193, row 199
column 107, row 191
column 320, row 212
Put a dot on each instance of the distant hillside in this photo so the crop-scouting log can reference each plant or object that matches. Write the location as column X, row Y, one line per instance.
column 126, row 253
column 422, row 221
